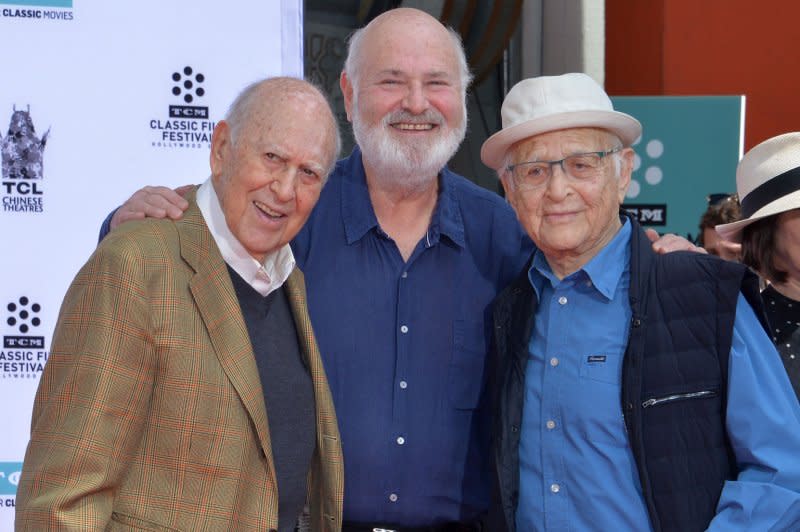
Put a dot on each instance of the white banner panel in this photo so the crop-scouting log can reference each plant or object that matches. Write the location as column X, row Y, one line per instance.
column 99, row 98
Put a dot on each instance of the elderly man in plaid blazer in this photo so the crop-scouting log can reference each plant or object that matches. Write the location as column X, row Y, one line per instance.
column 177, row 337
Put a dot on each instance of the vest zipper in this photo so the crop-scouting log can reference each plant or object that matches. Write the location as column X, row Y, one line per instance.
column 678, row 397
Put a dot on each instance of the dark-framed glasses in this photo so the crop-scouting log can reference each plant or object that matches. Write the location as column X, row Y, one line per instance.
column 718, row 198
column 579, row 166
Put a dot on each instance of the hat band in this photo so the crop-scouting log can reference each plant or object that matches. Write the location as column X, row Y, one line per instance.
column 767, row 192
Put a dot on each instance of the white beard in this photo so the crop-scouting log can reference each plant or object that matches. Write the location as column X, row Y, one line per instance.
column 413, row 163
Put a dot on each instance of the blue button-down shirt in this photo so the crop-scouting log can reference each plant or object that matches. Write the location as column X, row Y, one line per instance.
column 577, row 471
column 404, row 343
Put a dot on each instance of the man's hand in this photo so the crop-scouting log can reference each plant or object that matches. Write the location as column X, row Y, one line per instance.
column 729, row 250
column 152, row 202
column 671, row 242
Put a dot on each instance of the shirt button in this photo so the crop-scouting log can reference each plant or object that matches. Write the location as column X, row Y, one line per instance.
column 400, row 440
column 403, row 329
column 404, row 275
column 403, row 384
column 551, row 424
column 554, row 362
column 393, row 497
column 562, row 300
column 555, row 488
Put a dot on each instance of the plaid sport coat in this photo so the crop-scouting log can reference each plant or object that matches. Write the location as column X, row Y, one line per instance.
column 150, row 413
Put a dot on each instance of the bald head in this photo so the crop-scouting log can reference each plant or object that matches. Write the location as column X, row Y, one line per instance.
column 393, row 28
column 262, row 99
column 269, row 160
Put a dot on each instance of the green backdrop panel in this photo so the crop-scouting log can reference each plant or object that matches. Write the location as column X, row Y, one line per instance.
column 690, row 147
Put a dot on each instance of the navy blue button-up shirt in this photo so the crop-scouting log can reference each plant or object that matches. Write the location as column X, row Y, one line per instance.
column 404, row 343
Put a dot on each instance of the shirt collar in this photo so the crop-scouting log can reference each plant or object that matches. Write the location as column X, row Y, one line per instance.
column 359, row 217
column 604, row 270
column 264, row 277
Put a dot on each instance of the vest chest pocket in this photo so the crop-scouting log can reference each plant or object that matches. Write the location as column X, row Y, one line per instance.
column 467, row 363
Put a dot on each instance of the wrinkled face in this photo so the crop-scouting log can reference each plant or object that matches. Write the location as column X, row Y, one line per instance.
column 407, row 105
column 787, row 243
column 569, row 219
column 269, row 178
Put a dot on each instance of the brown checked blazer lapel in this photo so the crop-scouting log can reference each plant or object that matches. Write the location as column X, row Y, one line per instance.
column 326, row 479
column 216, row 301
column 221, row 313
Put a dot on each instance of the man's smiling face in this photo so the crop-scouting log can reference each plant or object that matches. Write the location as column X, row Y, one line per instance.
column 269, row 177
column 406, row 103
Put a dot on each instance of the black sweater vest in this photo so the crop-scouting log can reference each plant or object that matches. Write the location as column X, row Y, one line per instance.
column 288, row 392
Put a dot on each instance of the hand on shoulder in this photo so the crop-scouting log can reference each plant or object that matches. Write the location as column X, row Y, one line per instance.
column 152, row 202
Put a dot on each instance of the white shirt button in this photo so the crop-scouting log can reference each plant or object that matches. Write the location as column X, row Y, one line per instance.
column 393, row 497
column 403, row 384
column 562, row 300
column 551, row 424
column 403, row 329
column 555, row 488
column 404, row 275
column 554, row 362
column 400, row 440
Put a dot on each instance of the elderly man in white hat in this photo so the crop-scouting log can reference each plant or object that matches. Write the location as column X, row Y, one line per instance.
column 633, row 391
column 768, row 181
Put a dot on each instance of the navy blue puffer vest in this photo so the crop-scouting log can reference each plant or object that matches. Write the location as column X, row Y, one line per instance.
column 673, row 382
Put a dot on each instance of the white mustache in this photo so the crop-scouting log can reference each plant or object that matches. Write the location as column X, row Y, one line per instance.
column 430, row 116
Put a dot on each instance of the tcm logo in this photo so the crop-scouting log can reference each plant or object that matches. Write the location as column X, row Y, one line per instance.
column 188, row 86
column 649, row 166
column 9, row 477
column 23, row 318
column 649, row 214
column 189, row 124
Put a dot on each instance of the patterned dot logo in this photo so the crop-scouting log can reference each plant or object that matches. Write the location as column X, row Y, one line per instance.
column 23, row 315
column 188, row 84
column 653, row 175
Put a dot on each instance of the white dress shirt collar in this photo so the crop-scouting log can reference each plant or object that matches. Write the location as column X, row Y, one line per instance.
column 264, row 278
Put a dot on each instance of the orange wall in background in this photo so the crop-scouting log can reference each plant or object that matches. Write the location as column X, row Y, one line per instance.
column 710, row 47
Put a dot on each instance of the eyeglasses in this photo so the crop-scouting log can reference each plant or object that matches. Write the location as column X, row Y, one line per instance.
column 720, row 197
column 580, row 167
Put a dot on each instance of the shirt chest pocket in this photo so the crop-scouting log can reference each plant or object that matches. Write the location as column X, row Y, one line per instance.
column 467, row 364
column 597, row 403
column 601, row 368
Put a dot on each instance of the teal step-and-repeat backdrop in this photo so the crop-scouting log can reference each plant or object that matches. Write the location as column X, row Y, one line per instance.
column 690, row 147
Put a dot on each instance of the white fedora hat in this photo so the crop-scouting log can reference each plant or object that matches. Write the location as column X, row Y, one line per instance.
column 549, row 103
column 768, row 182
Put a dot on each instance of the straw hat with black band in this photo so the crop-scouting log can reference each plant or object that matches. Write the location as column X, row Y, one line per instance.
column 768, row 182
